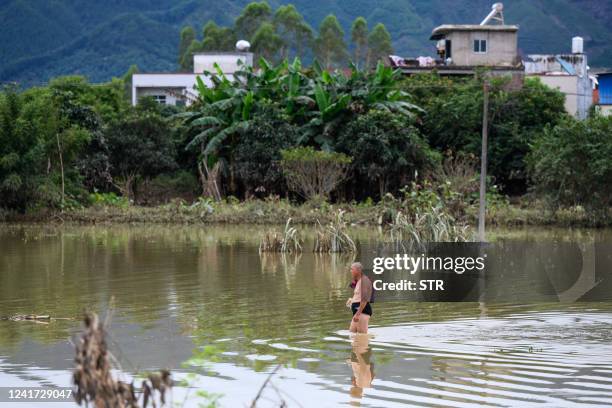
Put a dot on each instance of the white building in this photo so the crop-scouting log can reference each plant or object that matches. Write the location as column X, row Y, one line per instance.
column 568, row 73
column 179, row 88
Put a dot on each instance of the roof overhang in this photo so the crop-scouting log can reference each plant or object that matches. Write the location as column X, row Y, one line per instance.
column 442, row 31
column 462, row 70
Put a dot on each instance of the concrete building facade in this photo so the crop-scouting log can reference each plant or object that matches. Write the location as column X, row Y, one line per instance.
column 568, row 73
column 478, row 45
column 178, row 88
column 464, row 49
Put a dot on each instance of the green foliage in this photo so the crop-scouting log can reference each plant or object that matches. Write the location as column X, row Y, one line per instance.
column 257, row 156
column 266, row 43
column 42, row 134
column 308, row 154
column 217, row 38
column 330, row 48
column 139, row 146
column 188, row 35
column 296, row 34
column 82, row 37
column 570, row 164
column 313, row 174
column 359, row 39
column 245, row 121
column 379, row 44
column 108, row 199
column 387, row 150
column 252, row 17
column 452, row 120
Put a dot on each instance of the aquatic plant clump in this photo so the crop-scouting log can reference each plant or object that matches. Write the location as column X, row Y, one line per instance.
column 334, row 237
column 288, row 241
column 435, row 225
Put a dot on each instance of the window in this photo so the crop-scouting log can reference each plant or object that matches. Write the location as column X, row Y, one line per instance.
column 161, row 99
column 480, row 46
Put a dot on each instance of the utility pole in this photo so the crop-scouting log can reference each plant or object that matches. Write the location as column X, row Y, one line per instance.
column 483, row 163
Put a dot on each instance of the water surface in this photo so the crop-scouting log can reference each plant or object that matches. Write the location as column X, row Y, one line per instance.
column 202, row 302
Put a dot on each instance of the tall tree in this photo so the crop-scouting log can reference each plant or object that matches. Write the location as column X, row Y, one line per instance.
column 217, row 38
column 293, row 30
column 379, row 44
column 187, row 60
column 266, row 43
column 139, row 147
column 252, row 17
column 359, row 38
column 330, row 48
column 187, row 36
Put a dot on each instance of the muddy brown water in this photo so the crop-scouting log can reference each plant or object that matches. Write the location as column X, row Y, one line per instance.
column 202, row 302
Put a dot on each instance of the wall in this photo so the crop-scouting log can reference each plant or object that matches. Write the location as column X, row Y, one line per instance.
column 550, row 69
column 606, row 110
column 568, row 84
column 228, row 62
column 501, row 48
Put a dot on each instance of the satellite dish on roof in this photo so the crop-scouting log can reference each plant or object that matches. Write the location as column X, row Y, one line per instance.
column 243, row 45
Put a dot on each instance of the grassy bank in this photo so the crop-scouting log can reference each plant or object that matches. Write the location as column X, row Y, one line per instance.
column 277, row 211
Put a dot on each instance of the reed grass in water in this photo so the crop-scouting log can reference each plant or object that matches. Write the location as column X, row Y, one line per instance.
column 334, row 237
column 433, row 226
column 288, row 241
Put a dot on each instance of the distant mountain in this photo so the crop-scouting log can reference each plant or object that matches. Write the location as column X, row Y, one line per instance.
column 40, row 39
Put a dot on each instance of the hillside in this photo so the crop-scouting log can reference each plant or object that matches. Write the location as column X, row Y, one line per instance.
column 40, row 39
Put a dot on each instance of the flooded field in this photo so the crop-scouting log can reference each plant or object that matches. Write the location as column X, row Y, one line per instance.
column 204, row 303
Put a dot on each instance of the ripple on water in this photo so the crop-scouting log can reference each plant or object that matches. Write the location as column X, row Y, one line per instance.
column 553, row 359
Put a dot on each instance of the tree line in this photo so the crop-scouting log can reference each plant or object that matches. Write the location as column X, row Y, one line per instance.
column 284, row 34
column 71, row 142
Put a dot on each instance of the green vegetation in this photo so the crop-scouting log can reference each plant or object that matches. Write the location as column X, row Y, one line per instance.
column 393, row 151
column 288, row 241
column 334, row 237
column 313, row 174
column 102, row 39
column 571, row 164
column 284, row 34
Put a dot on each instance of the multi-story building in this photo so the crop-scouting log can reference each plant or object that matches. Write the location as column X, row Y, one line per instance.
column 463, row 49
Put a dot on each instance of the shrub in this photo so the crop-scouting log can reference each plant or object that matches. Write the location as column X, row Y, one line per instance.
column 108, row 199
column 388, row 152
column 139, row 146
column 313, row 173
column 453, row 120
column 257, row 154
column 164, row 187
column 570, row 164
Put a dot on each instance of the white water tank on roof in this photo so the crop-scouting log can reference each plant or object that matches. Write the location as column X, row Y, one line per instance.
column 577, row 45
column 243, row 46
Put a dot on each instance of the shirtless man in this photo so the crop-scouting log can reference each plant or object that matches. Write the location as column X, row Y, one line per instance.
column 360, row 302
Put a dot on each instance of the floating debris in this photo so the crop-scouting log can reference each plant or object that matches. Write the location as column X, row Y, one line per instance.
column 20, row 318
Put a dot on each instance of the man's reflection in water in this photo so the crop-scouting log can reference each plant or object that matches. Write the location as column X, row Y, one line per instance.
column 361, row 364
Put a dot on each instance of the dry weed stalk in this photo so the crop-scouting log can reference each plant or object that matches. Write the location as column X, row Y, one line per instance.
column 93, row 377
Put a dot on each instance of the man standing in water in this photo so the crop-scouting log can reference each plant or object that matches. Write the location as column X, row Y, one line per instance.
column 360, row 302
